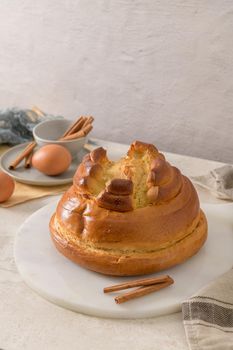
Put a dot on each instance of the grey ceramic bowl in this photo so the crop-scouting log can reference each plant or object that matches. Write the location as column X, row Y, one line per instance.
column 50, row 131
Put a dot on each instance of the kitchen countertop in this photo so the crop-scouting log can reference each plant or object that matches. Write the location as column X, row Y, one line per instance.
column 27, row 321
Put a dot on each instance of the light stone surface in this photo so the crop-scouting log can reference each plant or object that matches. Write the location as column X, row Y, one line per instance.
column 80, row 290
column 156, row 70
column 28, row 322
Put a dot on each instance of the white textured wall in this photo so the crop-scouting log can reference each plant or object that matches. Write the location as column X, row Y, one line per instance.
column 160, row 71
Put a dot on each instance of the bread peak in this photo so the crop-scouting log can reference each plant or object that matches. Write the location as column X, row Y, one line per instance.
column 142, row 178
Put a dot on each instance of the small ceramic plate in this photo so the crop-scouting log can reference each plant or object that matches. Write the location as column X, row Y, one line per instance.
column 34, row 177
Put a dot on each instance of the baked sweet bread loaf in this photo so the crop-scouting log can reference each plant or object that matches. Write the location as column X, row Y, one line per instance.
column 135, row 216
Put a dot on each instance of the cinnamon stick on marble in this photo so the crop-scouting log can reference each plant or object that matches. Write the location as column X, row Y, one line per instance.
column 137, row 283
column 141, row 291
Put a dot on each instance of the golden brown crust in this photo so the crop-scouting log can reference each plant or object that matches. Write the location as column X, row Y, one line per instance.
column 117, row 195
column 160, row 171
column 134, row 216
column 114, row 202
column 120, row 186
column 125, row 264
column 141, row 147
column 152, row 194
column 90, row 171
column 139, row 228
column 98, row 155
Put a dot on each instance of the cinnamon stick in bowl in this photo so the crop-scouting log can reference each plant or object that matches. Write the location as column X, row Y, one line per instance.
column 75, row 132
column 76, row 126
column 83, row 132
column 53, row 131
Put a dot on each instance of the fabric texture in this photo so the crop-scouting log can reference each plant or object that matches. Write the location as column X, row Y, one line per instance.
column 24, row 193
column 208, row 316
column 219, row 181
column 16, row 124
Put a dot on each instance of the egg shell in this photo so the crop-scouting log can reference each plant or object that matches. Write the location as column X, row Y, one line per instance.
column 52, row 159
column 7, row 186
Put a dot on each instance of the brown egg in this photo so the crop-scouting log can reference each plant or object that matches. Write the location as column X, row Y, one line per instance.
column 52, row 159
column 7, row 186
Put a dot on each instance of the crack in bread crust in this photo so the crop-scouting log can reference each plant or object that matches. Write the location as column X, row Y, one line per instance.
column 144, row 166
column 73, row 240
column 135, row 263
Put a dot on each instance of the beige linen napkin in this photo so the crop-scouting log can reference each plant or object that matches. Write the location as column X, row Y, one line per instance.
column 24, row 193
column 208, row 316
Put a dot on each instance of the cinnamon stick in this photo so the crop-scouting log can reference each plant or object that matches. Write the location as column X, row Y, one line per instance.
column 22, row 155
column 80, row 128
column 137, row 283
column 141, row 291
column 83, row 132
column 28, row 160
column 89, row 120
column 76, row 126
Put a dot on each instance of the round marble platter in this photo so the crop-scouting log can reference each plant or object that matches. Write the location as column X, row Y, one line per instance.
column 34, row 177
column 70, row 286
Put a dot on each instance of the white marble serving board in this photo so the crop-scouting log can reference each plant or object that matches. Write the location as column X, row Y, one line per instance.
column 66, row 284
